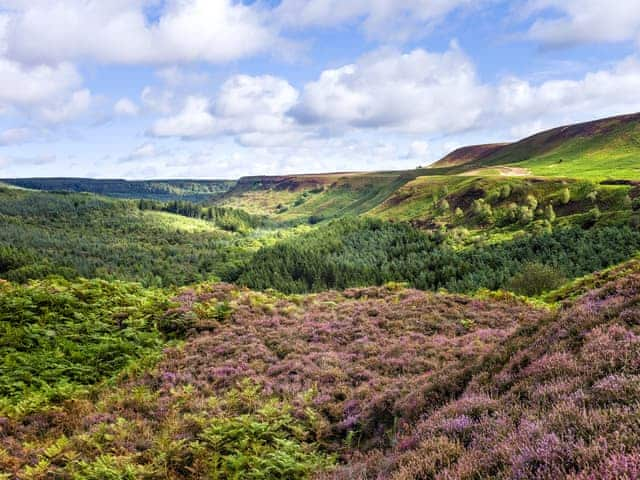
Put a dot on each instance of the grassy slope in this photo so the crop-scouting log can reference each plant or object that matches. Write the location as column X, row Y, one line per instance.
column 420, row 201
column 294, row 198
column 608, row 148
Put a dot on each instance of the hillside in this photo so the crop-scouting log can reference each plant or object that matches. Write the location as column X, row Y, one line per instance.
column 376, row 383
column 194, row 190
column 600, row 149
column 321, row 197
column 74, row 234
column 465, row 155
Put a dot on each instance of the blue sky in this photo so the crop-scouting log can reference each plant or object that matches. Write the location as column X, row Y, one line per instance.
column 222, row 88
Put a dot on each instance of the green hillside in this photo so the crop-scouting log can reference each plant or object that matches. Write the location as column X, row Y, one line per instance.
column 317, row 197
column 597, row 150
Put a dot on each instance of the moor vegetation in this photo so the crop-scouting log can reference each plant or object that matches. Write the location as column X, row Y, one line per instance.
column 467, row 321
column 366, row 384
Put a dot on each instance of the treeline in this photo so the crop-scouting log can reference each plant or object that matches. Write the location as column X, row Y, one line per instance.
column 193, row 190
column 230, row 219
column 357, row 252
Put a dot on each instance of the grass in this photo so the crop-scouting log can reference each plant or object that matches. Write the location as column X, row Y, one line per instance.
column 610, row 151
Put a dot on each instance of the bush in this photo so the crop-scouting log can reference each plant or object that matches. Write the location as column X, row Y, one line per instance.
column 535, row 278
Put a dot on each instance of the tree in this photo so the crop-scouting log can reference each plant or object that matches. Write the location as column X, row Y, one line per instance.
column 525, row 215
column 549, row 213
column 535, row 278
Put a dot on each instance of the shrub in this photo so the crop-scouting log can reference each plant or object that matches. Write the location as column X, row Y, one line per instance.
column 535, row 278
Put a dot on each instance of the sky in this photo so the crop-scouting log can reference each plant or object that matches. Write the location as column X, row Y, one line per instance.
column 143, row 89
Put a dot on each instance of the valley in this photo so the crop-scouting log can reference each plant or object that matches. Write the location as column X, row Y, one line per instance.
column 477, row 318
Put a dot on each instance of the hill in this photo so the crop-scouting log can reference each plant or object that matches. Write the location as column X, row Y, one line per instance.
column 600, row 149
column 194, row 190
column 386, row 383
column 319, row 197
column 465, row 155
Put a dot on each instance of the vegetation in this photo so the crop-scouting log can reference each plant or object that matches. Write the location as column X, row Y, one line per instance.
column 354, row 252
column 598, row 150
column 194, row 190
column 274, row 391
column 83, row 235
column 123, row 356
column 56, row 337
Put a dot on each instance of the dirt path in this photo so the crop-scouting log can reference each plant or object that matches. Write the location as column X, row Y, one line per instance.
column 503, row 171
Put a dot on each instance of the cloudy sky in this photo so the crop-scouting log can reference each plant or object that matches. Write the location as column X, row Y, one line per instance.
column 224, row 88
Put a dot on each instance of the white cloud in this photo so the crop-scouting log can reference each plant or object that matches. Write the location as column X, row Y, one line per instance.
column 600, row 93
column 256, row 104
column 195, row 120
column 28, row 86
column 414, row 92
column 419, row 150
column 156, row 100
column 118, row 31
column 387, row 19
column 15, row 136
column 68, row 109
column 49, row 93
column 126, row 107
column 252, row 107
column 176, row 77
column 144, row 151
column 585, row 21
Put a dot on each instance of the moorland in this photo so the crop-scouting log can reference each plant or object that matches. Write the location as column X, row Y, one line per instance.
column 477, row 318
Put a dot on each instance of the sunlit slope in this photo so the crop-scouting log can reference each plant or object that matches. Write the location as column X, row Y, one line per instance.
column 319, row 197
column 597, row 150
column 453, row 200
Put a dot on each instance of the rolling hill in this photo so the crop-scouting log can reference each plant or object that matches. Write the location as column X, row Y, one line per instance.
column 597, row 150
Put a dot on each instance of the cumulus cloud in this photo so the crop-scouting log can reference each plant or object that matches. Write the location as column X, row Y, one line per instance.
column 176, row 77
column 119, row 31
column 126, row 107
column 67, row 109
column 603, row 92
column 416, row 92
column 50, row 93
column 252, row 107
column 386, row 19
column 143, row 152
column 27, row 86
column 158, row 100
column 585, row 21
column 419, row 150
column 195, row 120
